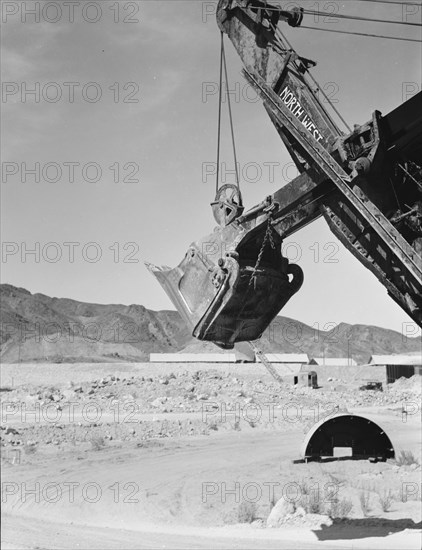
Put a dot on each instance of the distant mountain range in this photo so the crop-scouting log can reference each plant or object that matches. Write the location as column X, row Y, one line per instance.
column 37, row 328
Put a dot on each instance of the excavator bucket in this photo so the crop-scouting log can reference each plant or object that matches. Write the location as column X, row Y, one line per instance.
column 231, row 284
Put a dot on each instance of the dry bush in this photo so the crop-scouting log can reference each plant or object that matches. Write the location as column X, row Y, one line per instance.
column 246, row 512
column 30, row 448
column 312, row 504
column 97, row 442
column 273, row 501
column 364, row 498
column 251, row 423
column 386, row 499
column 340, row 508
column 364, row 485
column 336, row 479
column 304, row 487
column 406, row 458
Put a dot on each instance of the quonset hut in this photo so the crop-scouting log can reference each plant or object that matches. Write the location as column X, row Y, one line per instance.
column 346, row 434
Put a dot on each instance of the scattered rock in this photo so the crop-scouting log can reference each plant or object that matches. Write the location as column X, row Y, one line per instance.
column 202, row 397
column 300, row 512
column 68, row 394
column 280, row 512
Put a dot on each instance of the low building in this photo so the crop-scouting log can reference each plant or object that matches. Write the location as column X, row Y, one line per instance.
column 398, row 366
column 240, row 354
column 293, row 368
column 207, row 352
column 296, row 374
column 333, row 361
column 193, row 358
column 306, row 378
column 287, row 358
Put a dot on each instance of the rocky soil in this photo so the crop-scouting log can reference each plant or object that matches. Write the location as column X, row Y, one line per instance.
column 140, row 408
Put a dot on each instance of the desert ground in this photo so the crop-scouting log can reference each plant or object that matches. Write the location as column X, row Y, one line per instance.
column 199, row 456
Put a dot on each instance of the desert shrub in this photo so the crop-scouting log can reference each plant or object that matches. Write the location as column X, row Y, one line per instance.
column 335, row 479
column 406, row 458
column 312, row 503
column 401, row 495
column 386, row 499
column 364, row 502
column 273, row 500
column 246, row 512
column 304, row 487
column 98, row 442
column 340, row 508
column 30, row 448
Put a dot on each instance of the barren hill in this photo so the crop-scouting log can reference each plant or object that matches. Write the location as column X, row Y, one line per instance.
column 38, row 328
column 35, row 327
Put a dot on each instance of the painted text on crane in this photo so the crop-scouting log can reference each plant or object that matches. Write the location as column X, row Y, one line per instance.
column 294, row 105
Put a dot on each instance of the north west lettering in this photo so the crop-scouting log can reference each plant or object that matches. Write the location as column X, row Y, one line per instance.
column 296, row 108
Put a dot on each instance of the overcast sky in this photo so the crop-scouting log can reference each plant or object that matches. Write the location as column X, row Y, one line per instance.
column 121, row 100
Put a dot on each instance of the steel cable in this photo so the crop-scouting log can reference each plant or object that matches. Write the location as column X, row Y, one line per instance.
column 362, row 34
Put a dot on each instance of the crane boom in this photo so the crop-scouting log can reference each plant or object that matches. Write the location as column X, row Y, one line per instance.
column 366, row 183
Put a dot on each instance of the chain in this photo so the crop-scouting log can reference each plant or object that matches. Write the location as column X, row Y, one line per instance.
column 267, row 237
